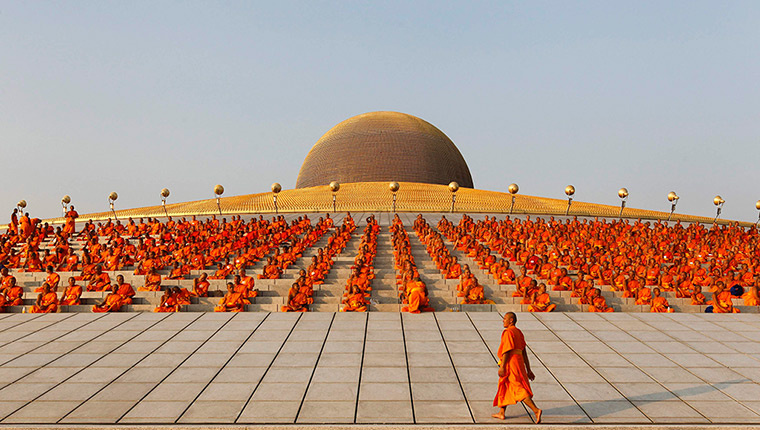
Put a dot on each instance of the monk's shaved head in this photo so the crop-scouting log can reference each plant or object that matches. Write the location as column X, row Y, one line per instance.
column 512, row 316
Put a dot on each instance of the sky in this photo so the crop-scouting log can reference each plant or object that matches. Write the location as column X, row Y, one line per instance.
column 136, row 96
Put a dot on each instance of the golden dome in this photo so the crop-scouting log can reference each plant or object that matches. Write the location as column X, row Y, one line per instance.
column 383, row 147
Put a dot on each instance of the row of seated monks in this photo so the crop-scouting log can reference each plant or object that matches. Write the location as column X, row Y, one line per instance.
column 359, row 283
column 627, row 257
column 412, row 290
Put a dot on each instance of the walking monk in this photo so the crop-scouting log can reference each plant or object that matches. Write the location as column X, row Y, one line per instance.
column 514, row 370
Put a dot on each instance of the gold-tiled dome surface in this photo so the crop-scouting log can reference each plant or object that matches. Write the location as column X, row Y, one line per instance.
column 384, row 146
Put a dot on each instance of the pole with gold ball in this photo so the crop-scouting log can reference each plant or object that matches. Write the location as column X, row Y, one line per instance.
column 394, row 186
column 453, row 187
column 21, row 205
column 569, row 190
column 623, row 194
column 276, row 188
column 757, row 206
column 334, row 187
column 673, row 199
column 65, row 200
column 513, row 189
column 718, row 201
column 111, row 199
column 164, row 194
column 218, row 191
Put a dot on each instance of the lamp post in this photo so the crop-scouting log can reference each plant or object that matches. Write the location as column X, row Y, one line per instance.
column 218, row 191
column 453, row 187
column 65, row 201
column 513, row 189
column 623, row 194
column 111, row 199
column 164, row 194
column 334, row 187
column 276, row 188
column 757, row 205
column 673, row 199
column 21, row 205
column 394, row 186
column 718, row 201
column 569, row 190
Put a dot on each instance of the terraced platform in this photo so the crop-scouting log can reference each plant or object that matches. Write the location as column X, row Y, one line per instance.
column 373, row 368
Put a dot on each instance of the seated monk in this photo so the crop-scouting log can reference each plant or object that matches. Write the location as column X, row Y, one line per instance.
column 564, row 283
column 245, row 286
column 507, row 275
column 599, row 304
column 124, row 290
column 660, row 304
column 168, row 302
column 176, row 273
column 152, row 281
column 14, row 294
column 356, row 301
column 644, row 296
column 455, row 269
column 112, row 302
column 530, row 290
column 200, row 286
column 222, row 271
column 53, row 280
column 231, row 302
column 697, row 298
column 417, row 297
column 722, row 303
column 474, row 294
column 47, row 301
column 271, row 270
column 100, row 280
column 541, row 301
column 297, row 300
column 751, row 297
column 71, row 294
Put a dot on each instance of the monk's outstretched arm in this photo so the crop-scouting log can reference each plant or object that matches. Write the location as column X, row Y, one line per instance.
column 531, row 376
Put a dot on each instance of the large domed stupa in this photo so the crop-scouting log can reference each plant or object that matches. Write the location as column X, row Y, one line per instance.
column 381, row 147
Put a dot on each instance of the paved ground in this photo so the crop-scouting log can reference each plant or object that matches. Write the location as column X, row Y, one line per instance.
column 373, row 368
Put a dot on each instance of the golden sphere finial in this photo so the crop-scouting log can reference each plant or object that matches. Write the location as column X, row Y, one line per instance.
column 718, row 200
column 513, row 188
column 672, row 196
column 22, row 203
column 66, row 199
column 334, row 186
column 623, row 193
column 453, row 186
column 757, row 205
column 113, row 195
column 218, row 190
column 393, row 186
column 165, row 193
column 569, row 190
column 276, row 188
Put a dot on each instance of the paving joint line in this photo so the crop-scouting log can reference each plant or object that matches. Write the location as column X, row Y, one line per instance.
column 284, row 341
column 361, row 367
column 308, row 384
column 35, row 332
column 456, row 374
column 135, row 364
column 408, row 373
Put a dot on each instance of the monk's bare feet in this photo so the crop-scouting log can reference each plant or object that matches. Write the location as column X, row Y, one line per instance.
column 538, row 416
column 499, row 416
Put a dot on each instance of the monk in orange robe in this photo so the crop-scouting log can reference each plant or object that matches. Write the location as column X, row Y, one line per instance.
column 644, row 296
column 69, row 226
column 152, row 281
column 71, row 294
column 599, row 303
column 271, row 270
column 697, row 298
column 14, row 294
column 47, row 302
column 455, row 269
column 168, row 302
column 100, row 282
column 53, row 279
column 297, row 300
column 660, row 304
column 721, row 301
column 231, row 302
column 124, row 290
column 751, row 297
column 474, row 293
column 541, row 301
column 356, row 301
column 417, row 297
column 244, row 285
column 112, row 302
column 514, row 370
column 200, row 286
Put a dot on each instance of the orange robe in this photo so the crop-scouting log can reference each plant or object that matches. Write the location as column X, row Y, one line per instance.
column 514, row 386
column 71, row 296
column 231, row 302
column 599, row 304
column 661, row 305
column 542, row 304
column 126, row 292
column 48, row 304
column 112, row 304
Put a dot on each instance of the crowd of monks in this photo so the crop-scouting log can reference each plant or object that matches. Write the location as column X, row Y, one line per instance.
column 637, row 260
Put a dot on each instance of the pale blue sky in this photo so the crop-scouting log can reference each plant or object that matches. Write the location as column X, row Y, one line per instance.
column 137, row 96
